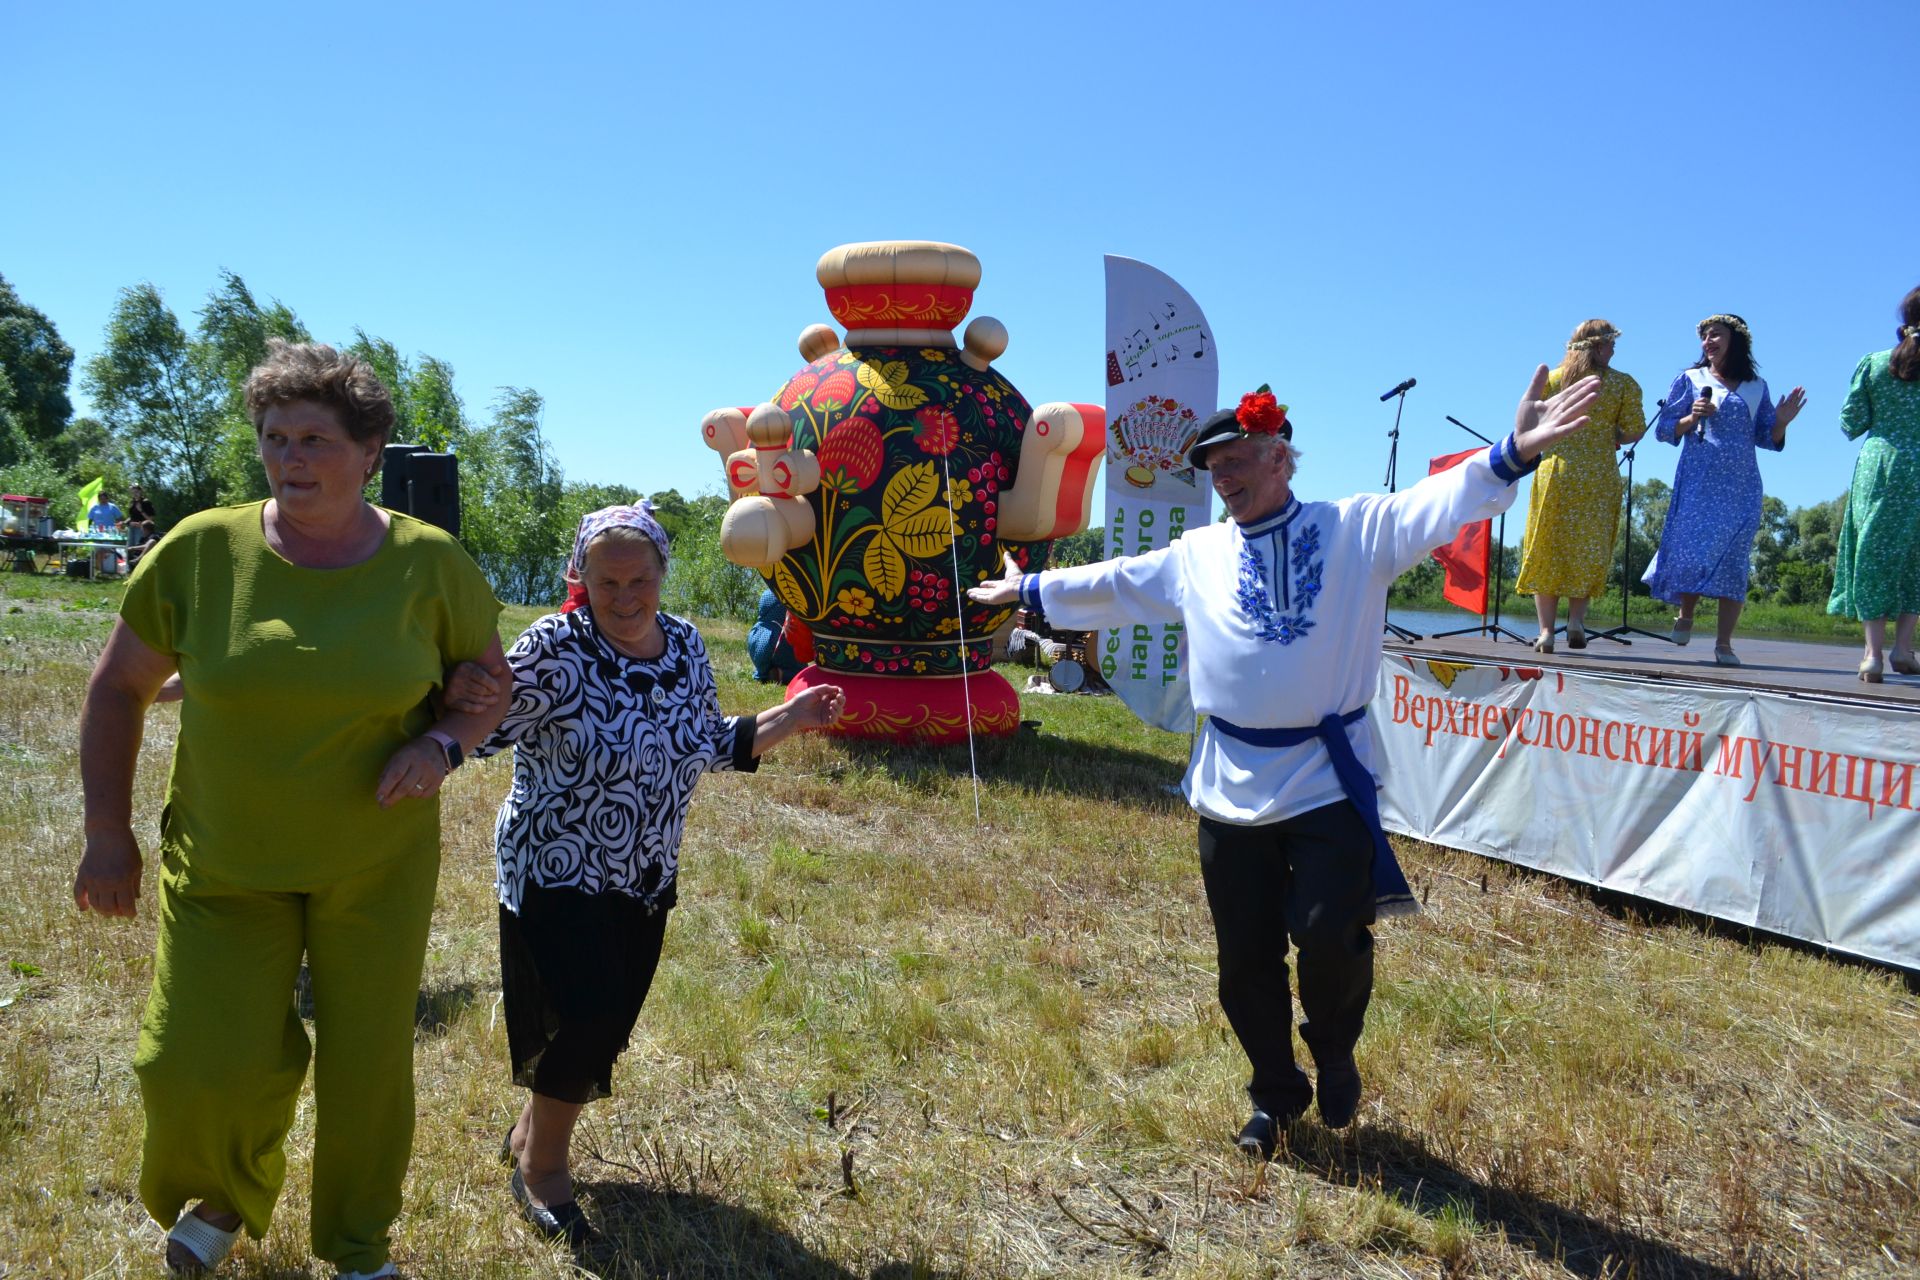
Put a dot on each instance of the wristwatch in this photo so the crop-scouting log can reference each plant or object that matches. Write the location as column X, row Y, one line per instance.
column 450, row 748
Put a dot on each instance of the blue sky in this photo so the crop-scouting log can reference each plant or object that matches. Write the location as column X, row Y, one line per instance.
column 621, row 207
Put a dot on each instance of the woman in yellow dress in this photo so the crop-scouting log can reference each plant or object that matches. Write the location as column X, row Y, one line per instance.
column 1575, row 508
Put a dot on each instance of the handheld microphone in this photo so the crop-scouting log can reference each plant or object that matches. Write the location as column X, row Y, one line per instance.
column 1405, row 386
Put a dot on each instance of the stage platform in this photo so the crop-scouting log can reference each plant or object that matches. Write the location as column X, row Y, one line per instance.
column 1794, row 668
column 1782, row 794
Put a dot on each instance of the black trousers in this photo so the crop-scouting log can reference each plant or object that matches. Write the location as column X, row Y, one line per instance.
column 1308, row 879
column 574, row 970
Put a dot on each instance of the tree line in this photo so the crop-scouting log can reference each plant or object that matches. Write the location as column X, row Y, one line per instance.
column 169, row 414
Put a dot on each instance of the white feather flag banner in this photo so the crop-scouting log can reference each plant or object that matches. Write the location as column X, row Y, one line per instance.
column 1162, row 383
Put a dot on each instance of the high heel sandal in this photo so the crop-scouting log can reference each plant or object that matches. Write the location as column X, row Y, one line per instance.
column 1870, row 671
column 1543, row 643
column 1907, row 666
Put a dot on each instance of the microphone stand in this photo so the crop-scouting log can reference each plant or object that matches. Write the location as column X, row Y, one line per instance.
column 1492, row 629
column 1618, row 634
column 1393, row 466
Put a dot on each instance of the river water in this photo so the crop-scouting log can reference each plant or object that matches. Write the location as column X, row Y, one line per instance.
column 1427, row 623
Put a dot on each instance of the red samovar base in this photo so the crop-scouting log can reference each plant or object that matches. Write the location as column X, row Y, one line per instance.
column 919, row 711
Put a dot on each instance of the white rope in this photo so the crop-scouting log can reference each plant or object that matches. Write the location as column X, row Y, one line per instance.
column 960, row 615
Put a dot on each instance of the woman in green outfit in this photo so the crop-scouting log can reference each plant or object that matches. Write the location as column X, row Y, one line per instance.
column 1876, row 575
column 309, row 632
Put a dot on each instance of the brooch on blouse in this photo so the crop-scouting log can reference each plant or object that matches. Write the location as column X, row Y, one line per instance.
column 1269, row 623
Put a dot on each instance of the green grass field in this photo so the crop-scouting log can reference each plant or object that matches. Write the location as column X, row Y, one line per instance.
column 887, row 1042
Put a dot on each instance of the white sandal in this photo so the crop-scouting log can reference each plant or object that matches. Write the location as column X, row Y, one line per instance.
column 202, row 1240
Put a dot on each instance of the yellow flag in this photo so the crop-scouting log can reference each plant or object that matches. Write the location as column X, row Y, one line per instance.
column 90, row 494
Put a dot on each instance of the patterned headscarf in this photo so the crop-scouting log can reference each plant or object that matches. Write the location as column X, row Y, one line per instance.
column 594, row 523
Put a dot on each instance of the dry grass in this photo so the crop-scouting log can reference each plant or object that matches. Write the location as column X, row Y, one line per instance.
column 886, row 1044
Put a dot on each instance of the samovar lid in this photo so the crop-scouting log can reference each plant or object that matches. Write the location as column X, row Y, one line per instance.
column 905, row 290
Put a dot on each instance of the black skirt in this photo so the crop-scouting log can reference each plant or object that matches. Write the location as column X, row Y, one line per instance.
column 575, row 968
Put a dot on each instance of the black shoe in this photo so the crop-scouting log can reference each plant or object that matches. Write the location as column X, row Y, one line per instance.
column 563, row 1222
column 1261, row 1134
column 1338, row 1090
column 507, row 1157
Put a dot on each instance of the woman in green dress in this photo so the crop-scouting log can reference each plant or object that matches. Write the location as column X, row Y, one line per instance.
column 308, row 632
column 1876, row 575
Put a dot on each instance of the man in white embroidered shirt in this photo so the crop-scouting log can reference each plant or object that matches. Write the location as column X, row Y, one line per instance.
column 1283, row 607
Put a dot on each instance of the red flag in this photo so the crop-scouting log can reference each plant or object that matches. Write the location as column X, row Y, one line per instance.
column 1465, row 558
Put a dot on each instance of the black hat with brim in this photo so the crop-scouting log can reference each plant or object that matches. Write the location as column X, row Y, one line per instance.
column 1219, row 429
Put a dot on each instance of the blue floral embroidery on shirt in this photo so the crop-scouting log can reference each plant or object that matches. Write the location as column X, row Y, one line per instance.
column 1270, row 623
column 1306, row 584
column 1305, row 545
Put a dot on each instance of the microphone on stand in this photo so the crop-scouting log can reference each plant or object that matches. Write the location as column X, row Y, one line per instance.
column 1405, row 386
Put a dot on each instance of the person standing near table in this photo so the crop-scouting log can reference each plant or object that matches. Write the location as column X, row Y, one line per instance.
column 1283, row 607
column 140, row 517
column 1877, row 569
column 103, row 516
column 1574, row 508
column 1719, row 412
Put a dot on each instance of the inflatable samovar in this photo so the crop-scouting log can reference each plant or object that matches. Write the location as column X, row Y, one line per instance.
column 892, row 472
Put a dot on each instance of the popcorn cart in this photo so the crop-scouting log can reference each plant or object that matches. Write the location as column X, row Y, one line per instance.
column 23, row 516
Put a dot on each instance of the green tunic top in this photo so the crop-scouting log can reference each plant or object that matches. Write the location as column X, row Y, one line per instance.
column 300, row 684
column 1876, row 573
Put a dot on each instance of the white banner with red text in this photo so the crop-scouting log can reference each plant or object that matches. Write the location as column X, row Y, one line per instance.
column 1793, row 815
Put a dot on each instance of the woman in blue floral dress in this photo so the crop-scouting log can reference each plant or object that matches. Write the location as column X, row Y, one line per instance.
column 1719, row 412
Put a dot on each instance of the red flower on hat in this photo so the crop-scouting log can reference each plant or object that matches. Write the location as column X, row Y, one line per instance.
column 1260, row 414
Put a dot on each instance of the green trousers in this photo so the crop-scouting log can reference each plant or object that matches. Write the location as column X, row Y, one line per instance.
column 222, row 1049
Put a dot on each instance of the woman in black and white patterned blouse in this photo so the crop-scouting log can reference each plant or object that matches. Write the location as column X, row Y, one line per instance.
column 613, row 717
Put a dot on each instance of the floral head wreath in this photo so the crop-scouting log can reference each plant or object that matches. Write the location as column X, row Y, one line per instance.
column 1260, row 414
column 1734, row 323
column 1586, row 344
column 1910, row 331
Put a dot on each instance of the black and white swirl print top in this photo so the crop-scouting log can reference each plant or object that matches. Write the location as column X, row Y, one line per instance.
column 607, row 750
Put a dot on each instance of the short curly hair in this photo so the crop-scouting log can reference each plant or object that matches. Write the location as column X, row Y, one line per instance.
column 315, row 372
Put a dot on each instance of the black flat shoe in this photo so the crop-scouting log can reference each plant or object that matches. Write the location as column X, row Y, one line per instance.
column 562, row 1222
column 1338, row 1091
column 1259, row 1137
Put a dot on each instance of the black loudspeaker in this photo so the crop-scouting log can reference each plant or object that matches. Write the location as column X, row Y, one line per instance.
column 394, row 473
column 433, row 490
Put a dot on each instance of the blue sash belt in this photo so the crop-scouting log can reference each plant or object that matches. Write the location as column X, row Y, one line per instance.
column 1391, row 893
